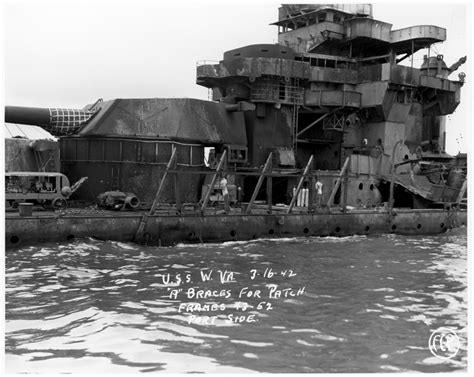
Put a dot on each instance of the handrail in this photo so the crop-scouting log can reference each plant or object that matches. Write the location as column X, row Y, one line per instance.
column 206, row 62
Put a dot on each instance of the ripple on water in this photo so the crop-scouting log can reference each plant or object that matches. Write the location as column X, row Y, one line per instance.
column 370, row 304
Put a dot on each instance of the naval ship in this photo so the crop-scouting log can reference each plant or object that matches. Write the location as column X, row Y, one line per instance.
column 332, row 131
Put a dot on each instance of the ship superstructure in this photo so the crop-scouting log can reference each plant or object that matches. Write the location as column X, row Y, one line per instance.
column 334, row 87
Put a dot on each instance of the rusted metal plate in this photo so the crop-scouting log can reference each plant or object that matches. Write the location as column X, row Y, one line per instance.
column 168, row 230
column 419, row 186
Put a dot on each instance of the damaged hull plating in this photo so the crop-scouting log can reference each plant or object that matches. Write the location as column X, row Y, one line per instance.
column 169, row 230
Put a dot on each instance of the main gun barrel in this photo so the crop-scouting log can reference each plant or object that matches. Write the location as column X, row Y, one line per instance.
column 27, row 115
column 58, row 122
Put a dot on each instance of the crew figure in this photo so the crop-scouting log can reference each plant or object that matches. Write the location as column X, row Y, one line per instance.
column 225, row 193
column 212, row 161
column 319, row 191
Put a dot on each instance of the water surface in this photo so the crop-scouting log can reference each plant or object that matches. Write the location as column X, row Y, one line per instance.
column 354, row 304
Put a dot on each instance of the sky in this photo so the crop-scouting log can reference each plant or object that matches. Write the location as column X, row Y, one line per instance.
column 70, row 53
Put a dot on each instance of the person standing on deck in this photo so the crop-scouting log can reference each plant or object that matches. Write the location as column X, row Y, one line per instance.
column 319, row 191
column 225, row 193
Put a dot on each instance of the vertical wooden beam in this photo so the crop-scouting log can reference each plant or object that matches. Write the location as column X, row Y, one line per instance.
column 346, row 185
column 170, row 164
column 338, row 182
column 462, row 191
column 176, row 186
column 141, row 226
column 311, row 191
column 391, row 199
column 213, row 181
column 259, row 184
column 300, row 184
column 270, row 189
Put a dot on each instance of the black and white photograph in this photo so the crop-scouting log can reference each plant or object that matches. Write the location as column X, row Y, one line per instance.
column 236, row 187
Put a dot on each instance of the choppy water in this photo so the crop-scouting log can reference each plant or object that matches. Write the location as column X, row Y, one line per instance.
column 365, row 304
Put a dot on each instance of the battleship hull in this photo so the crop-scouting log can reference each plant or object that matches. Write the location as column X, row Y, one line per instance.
column 173, row 229
column 327, row 118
